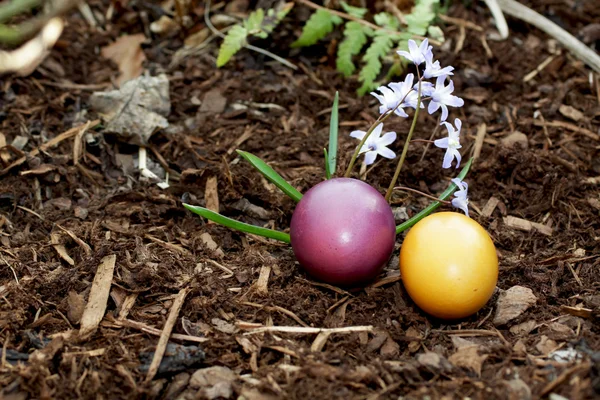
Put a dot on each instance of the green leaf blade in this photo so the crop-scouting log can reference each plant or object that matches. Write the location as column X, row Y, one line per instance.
column 331, row 158
column 233, row 42
column 433, row 206
column 271, row 175
column 239, row 226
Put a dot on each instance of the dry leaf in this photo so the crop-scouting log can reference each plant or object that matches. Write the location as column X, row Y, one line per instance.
column 512, row 303
column 127, row 53
column 137, row 110
column 468, row 357
column 546, row 345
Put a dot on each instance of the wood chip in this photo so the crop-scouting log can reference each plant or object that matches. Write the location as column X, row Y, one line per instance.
column 96, row 305
column 319, row 343
column 86, row 247
column 489, row 207
column 211, row 195
column 527, row 226
column 60, row 248
column 481, row 131
column 50, row 143
column 261, row 285
column 166, row 333
column 577, row 311
column 571, row 112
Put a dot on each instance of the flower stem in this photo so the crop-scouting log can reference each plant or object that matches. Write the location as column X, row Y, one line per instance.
column 407, row 189
column 388, row 194
column 379, row 120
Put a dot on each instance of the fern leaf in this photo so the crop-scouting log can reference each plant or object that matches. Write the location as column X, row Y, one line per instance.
column 421, row 16
column 233, row 42
column 355, row 37
column 254, row 21
column 319, row 24
column 386, row 20
column 274, row 17
column 357, row 12
column 380, row 47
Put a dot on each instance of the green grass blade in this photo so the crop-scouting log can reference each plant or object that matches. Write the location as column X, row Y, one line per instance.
column 327, row 171
column 240, row 226
column 433, row 206
column 271, row 175
column 331, row 160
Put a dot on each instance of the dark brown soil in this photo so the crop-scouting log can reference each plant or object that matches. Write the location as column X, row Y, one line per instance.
column 161, row 248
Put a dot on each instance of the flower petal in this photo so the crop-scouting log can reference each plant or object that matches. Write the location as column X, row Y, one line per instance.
column 441, row 143
column 461, row 204
column 448, row 157
column 358, row 134
column 444, row 112
column 458, row 158
column 433, row 106
column 385, row 152
column 370, row 157
column 387, row 139
column 454, row 101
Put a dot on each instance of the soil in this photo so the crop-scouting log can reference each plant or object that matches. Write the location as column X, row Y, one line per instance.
column 64, row 216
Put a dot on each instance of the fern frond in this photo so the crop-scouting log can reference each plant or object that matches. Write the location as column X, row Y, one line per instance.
column 254, row 21
column 319, row 24
column 233, row 42
column 421, row 16
column 357, row 12
column 381, row 46
column 274, row 17
column 355, row 37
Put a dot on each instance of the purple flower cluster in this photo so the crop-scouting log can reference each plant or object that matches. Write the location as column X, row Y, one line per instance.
column 398, row 97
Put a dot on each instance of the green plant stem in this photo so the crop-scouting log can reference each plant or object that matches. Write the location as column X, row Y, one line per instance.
column 433, row 206
column 379, row 120
column 388, row 194
column 16, row 7
column 407, row 189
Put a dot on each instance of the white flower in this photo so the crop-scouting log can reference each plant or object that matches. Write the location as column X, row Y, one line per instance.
column 427, row 88
column 416, row 54
column 451, row 144
column 442, row 97
column 376, row 144
column 405, row 90
column 389, row 100
column 433, row 69
column 460, row 199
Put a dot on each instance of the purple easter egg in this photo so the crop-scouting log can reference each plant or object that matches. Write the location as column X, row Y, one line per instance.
column 343, row 232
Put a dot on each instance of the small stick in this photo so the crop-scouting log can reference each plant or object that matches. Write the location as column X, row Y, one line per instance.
column 524, row 13
column 166, row 333
column 309, row 330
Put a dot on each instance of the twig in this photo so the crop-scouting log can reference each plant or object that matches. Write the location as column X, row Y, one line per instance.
column 580, row 50
column 407, row 189
column 362, row 21
column 127, row 323
column 166, row 333
column 247, row 46
column 50, row 143
column 496, row 11
column 309, row 330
